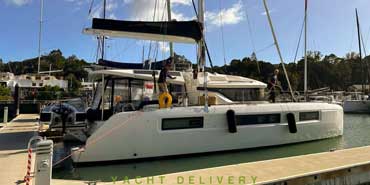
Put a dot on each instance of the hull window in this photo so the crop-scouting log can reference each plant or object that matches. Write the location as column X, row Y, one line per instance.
column 309, row 116
column 257, row 119
column 182, row 123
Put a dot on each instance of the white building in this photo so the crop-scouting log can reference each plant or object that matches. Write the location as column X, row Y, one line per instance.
column 31, row 81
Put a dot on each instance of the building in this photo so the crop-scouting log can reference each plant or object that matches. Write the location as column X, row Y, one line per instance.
column 31, row 81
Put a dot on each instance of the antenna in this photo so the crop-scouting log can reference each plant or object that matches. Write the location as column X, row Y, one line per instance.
column 40, row 34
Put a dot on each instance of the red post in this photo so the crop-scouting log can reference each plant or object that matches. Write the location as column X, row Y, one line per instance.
column 27, row 178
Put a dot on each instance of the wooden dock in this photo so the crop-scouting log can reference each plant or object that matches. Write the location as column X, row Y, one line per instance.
column 350, row 166
column 13, row 147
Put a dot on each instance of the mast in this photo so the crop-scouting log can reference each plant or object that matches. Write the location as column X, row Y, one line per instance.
column 40, row 34
column 359, row 47
column 103, row 39
column 171, row 43
column 278, row 47
column 202, row 51
column 305, row 50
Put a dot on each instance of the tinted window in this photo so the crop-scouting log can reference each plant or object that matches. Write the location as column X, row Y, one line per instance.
column 239, row 94
column 182, row 123
column 257, row 119
column 306, row 116
column 145, row 72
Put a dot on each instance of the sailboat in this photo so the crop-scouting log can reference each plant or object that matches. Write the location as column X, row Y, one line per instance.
column 362, row 103
column 211, row 112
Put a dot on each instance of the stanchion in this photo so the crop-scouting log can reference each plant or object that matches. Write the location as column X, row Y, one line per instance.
column 27, row 178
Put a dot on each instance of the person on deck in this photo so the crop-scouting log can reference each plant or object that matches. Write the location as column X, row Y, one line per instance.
column 162, row 80
column 272, row 85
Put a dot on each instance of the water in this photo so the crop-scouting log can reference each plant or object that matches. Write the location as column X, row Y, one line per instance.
column 356, row 134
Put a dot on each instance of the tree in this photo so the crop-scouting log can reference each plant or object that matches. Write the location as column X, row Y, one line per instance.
column 49, row 93
column 5, row 93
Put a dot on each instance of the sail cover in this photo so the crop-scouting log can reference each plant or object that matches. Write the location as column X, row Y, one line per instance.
column 174, row 31
column 122, row 65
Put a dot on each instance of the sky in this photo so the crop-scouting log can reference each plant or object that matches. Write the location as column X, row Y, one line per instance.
column 234, row 28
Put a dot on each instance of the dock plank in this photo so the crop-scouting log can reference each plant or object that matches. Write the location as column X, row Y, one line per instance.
column 265, row 172
column 13, row 147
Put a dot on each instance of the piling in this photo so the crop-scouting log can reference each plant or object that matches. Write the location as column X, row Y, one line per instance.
column 5, row 118
column 44, row 159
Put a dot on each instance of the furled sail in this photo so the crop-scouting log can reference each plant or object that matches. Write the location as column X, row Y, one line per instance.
column 124, row 65
column 174, row 31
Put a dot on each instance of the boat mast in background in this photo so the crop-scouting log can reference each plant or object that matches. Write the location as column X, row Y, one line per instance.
column 278, row 48
column 40, row 34
column 171, row 43
column 359, row 47
column 305, row 50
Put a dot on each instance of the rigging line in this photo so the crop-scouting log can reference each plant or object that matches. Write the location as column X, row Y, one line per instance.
column 365, row 61
column 367, row 35
column 91, row 7
column 249, row 27
column 154, row 14
column 222, row 31
column 205, row 43
column 251, row 35
column 161, row 27
column 278, row 48
column 299, row 42
column 363, row 44
column 265, row 48
column 352, row 38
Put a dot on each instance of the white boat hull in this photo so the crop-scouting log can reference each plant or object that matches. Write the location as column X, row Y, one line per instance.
column 356, row 106
column 125, row 138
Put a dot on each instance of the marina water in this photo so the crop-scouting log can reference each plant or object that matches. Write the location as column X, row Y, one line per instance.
column 356, row 134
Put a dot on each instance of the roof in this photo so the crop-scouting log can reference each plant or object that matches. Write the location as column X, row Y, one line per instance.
column 137, row 74
column 216, row 80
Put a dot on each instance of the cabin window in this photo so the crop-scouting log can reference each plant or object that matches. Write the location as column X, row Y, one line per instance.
column 239, row 95
column 33, row 84
column 257, row 119
column 182, row 123
column 308, row 116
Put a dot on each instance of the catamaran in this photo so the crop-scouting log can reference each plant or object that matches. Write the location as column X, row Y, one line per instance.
column 211, row 112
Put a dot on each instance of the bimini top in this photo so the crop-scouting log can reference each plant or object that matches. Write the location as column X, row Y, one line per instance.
column 216, row 80
column 173, row 31
column 146, row 75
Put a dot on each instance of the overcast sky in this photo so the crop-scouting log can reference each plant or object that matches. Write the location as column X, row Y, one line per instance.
column 331, row 28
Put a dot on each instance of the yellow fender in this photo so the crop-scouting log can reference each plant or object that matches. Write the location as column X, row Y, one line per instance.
column 162, row 100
